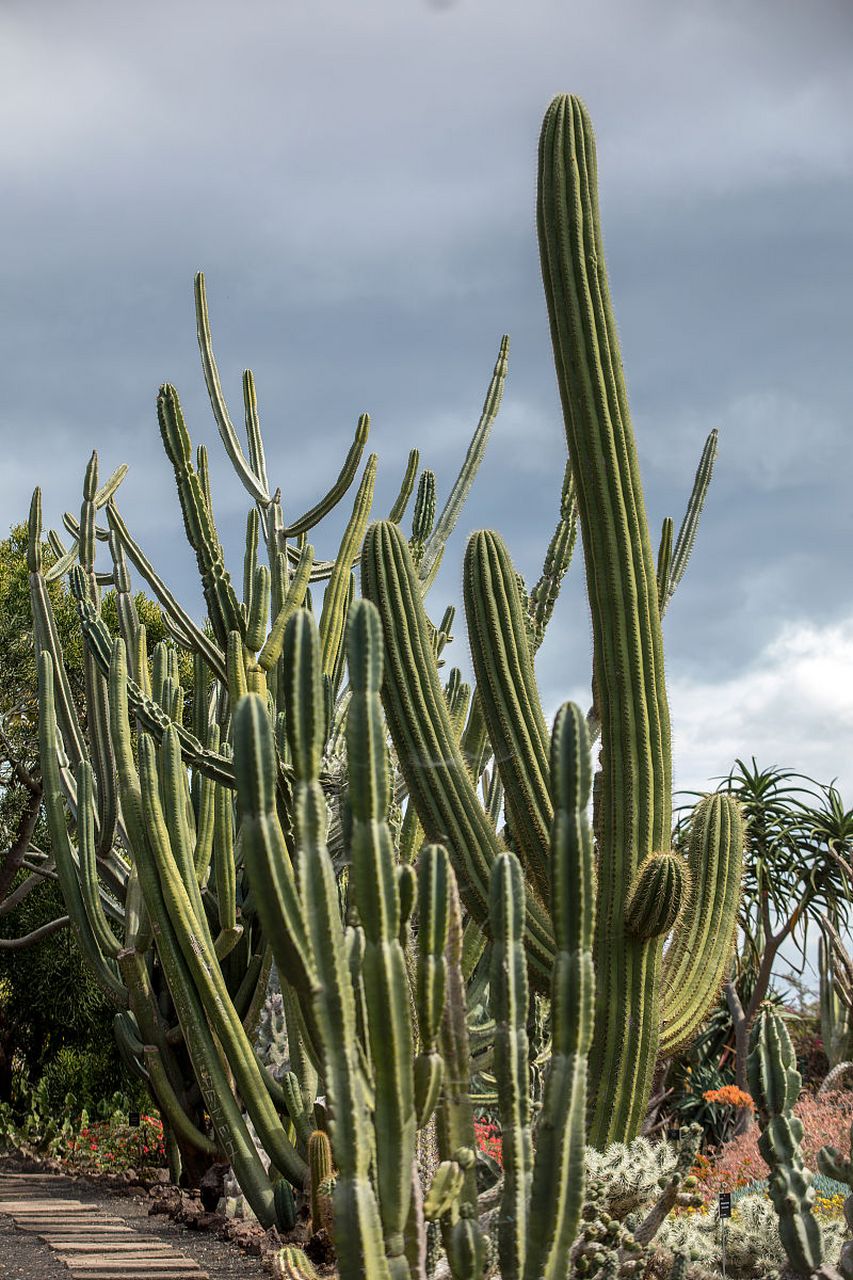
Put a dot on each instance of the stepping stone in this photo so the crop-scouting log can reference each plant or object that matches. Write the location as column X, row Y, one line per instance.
column 40, row 1206
column 117, row 1246
column 146, row 1271
column 93, row 1245
column 94, row 1262
column 39, row 1225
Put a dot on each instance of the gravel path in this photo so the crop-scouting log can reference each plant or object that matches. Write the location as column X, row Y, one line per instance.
column 25, row 1256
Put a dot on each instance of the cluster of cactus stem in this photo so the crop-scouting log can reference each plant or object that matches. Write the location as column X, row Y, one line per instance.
column 320, row 799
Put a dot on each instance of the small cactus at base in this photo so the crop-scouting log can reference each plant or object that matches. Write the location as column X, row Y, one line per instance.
column 321, row 1180
column 291, row 1263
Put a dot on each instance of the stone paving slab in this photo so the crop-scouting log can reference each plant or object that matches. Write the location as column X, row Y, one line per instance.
column 92, row 1244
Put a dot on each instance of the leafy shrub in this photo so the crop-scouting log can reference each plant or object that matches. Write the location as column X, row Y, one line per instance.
column 77, row 1080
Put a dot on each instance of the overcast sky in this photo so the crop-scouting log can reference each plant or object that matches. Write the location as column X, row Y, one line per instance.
column 357, row 181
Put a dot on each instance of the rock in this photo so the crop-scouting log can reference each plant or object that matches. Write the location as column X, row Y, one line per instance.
column 212, row 1186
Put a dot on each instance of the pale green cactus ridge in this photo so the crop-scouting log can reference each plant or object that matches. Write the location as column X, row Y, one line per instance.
column 687, row 530
column 87, row 542
column 201, row 698
column 264, row 849
column 337, row 594
column 206, row 814
column 222, row 604
column 454, row 1114
column 250, row 556
column 213, row 1081
column 103, row 967
column 558, row 1171
column 34, row 533
column 224, row 865
column 503, row 665
column 247, row 475
column 664, row 568
column 259, row 610
column 320, row 1168
column 658, row 893
column 87, row 858
column 775, row 1084
column 558, row 558
column 293, row 1263
column 203, row 965
column 707, row 926
column 446, row 522
column 293, row 599
column 423, row 517
column 198, row 641
column 632, row 810
column 358, row 1228
column 384, row 975
column 150, row 714
column 127, row 614
column 430, row 974
column 254, row 438
column 235, row 660
column 436, row 774
column 836, row 1018
column 304, row 698
column 348, row 472
column 508, row 996
column 47, row 640
column 398, row 510
column 202, row 466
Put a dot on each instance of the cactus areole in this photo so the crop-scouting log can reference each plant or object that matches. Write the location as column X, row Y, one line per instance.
column 632, row 805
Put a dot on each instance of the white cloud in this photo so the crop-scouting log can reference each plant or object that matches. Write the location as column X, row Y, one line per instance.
column 792, row 708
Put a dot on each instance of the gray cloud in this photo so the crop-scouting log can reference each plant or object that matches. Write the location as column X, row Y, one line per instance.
column 358, row 183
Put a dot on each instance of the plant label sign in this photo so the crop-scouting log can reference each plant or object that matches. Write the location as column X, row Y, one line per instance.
column 133, row 1119
column 725, row 1204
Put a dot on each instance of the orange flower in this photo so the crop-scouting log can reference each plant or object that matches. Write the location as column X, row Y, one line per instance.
column 730, row 1096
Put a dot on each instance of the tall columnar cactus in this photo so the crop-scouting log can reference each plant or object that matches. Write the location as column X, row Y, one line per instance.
column 775, row 1085
column 836, row 1021
column 644, row 890
column 632, row 818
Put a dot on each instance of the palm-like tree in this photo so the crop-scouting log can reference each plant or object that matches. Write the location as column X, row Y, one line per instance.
column 798, row 869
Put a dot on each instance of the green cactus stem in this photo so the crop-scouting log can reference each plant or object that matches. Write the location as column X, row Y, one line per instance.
column 775, row 1084
column 557, row 1194
column 632, row 807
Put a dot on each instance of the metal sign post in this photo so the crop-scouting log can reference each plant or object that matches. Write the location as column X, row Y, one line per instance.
column 133, row 1120
column 725, row 1211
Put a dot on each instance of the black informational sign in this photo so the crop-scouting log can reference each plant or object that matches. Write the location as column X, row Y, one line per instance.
column 725, row 1204
column 673, row 1133
column 133, row 1119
